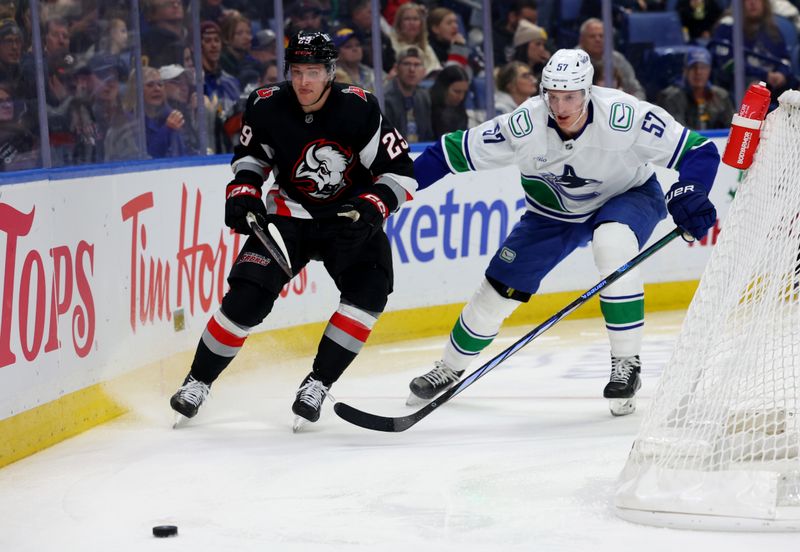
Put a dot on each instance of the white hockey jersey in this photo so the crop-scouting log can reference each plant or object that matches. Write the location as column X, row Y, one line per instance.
column 570, row 178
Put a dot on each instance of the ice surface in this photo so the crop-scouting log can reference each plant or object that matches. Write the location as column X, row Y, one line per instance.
column 525, row 459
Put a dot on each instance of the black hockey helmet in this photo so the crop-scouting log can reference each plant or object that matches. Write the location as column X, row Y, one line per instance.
column 311, row 47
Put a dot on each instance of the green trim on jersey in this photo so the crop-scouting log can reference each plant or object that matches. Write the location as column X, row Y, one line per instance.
column 454, row 150
column 466, row 341
column 693, row 141
column 623, row 313
column 539, row 192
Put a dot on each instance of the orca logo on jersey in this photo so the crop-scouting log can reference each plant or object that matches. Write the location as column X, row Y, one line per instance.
column 569, row 180
column 360, row 92
column 323, row 167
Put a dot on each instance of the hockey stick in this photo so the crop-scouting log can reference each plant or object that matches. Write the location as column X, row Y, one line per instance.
column 276, row 250
column 402, row 423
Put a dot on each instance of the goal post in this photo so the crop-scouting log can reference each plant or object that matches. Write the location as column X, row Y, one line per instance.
column 719, row 447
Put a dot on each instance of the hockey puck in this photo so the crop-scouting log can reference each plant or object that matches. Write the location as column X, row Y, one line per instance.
column 162, row 531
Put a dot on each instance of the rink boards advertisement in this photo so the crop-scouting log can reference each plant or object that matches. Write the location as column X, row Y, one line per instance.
column 105, row 273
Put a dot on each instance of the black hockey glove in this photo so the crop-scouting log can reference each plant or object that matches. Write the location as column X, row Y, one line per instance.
column 363, row 216
column 241, row 197
column 691, row 209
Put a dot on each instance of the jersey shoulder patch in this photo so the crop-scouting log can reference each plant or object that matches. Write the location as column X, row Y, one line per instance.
column 360, row 92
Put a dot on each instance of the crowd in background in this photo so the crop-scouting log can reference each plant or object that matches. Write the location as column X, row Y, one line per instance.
column 119, row 85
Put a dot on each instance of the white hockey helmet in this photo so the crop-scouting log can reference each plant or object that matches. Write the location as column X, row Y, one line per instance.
column 568, row 70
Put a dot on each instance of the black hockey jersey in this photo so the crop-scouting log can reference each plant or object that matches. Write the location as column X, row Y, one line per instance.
column 321, row 159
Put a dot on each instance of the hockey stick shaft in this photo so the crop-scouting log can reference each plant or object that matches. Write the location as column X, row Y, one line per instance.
column 401, row 423
column 272, row 249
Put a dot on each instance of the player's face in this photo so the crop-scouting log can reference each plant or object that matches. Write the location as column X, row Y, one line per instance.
column 567, row 108
column 308, row 81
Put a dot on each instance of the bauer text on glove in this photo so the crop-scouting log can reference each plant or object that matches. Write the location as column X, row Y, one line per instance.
column 691, row 209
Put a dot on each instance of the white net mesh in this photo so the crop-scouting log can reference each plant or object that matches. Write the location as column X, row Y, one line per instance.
column 722, row 436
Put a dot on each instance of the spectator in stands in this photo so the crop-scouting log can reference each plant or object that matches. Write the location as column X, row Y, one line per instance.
column 445, row 37
column 59, row 88
column 181, row 95
column 408, row 106
column 164, row 40
column 696, row 103
column 448, row 95
column 106, row 74
column 18, row 144
column 515, row 83
column 503, row 30
column 237, row 38
column 221, row 89
column 761, row 37
column 263, row 49
column 270, row 74
column 360, row 20
column 8, row 9
column 409, row 30
column 530, row 46
column 117, row 43
column 591, row 41
column 699, row 18
column 10, row 51
column 305, row 15
column 56, row 37
column 350, row 55
column 81, row 121
column 163, row 124
column 600, row 76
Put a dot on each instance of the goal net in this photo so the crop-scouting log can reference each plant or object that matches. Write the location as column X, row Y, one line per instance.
column 719, row 447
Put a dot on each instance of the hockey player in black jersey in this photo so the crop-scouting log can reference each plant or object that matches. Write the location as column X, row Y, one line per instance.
column 340, row 170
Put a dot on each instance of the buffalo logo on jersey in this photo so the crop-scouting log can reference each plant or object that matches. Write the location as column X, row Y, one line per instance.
column 322, row 169
column 569, row 180
column 360, row 92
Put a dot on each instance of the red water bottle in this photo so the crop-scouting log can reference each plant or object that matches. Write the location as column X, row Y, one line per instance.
column 746, row 127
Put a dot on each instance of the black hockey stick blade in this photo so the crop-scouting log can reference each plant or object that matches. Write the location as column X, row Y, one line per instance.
column 402, row 423
column 276, row 248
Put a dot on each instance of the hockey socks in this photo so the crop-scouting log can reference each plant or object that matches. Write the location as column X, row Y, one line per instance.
column 477, row 326
column 622, row 303
column 344, row 336
column 220, row 342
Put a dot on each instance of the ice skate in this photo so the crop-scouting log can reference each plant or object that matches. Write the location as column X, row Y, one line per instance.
column 623, row 385
column 187, row 399
column 424, row 388
column 308, row 403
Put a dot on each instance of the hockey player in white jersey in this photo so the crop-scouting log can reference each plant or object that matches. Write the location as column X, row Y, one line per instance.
column 586, row 157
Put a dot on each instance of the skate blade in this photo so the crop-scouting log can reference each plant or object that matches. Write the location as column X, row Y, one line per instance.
column 298, row 424
column 414, row 400
column 622, row 407
column 180, row 421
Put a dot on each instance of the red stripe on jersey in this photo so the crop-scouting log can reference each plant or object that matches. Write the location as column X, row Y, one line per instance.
column 280, row 204
column 222, row 335
column 351, row 327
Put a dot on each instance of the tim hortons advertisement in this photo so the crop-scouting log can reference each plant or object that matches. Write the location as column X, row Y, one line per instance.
column 103, row 274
